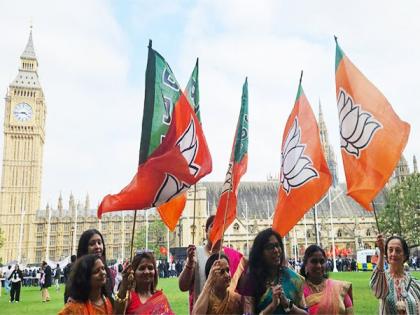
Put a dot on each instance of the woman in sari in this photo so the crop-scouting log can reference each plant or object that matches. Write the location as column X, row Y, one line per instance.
column 398, row 292
column 322, row 295
column 86, row 289
column 271, row 287
column 216, row 297
column 137, row 294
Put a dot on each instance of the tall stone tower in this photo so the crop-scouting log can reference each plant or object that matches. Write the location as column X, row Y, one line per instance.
column 328, row 150
column 415, row 169
column 24, row 135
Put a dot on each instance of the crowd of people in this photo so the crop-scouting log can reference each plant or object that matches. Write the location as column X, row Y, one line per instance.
column 220, row 280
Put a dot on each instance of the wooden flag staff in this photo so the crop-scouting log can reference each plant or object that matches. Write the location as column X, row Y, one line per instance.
column 193, row 225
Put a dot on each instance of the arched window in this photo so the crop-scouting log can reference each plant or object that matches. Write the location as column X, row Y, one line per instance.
column 339, row 233
column 236, row 226
column 368, row 232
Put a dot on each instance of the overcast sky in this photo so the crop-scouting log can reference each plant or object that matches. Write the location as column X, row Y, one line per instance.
column 92, row 59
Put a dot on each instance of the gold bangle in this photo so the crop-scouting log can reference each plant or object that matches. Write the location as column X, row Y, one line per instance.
column 120, row 300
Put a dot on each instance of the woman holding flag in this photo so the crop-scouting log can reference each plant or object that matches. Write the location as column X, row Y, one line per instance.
column 272, row 287
column 142, row 277
column 398, row 292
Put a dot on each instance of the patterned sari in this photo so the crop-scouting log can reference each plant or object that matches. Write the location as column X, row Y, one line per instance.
column 292, row 284
column 157, row 304
column 335, row 298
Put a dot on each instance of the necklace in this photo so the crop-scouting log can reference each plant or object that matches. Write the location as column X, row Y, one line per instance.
column 316, row 288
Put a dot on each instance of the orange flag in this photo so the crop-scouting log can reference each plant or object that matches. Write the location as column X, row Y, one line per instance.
column 372, row 135
column 226, row 210
column 304, row 175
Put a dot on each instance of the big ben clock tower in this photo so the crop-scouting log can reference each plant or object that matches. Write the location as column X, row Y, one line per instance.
column 24, row 134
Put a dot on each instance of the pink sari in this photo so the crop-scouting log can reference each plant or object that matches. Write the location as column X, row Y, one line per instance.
column 335, row 298
column 157, row 304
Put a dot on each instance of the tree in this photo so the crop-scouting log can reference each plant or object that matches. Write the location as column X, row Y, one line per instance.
column 156, row 238
column 401, row 214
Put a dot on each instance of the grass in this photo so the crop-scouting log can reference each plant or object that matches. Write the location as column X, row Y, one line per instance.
column 364, row 301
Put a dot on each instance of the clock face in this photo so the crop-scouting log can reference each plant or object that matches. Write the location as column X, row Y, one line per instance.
column 22, row 112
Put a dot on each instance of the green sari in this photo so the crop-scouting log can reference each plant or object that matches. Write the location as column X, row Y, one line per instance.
column 292, row 284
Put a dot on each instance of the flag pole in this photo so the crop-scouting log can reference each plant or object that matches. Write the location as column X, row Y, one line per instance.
column 135, row 211
column 224, row 222
column 376, row 217
column 132, row 235
column 332, row 231
column 193, row 225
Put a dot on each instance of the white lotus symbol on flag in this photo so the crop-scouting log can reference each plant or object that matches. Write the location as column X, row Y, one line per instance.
column 171, row 186
column 357, row 127
column 227, row 185
column 296, row 168
column 188, row 145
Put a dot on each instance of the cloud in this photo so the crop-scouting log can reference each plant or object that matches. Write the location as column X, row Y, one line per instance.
column 92, row 60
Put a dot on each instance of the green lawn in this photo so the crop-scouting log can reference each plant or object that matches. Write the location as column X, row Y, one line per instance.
column 31, row 303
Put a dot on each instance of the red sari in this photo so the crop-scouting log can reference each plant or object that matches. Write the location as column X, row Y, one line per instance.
column 157, row 304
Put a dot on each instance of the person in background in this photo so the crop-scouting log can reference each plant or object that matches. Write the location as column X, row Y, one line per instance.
column 46, row 281
column 66, row 273
column 6, row 278
column 15, row 279
column 118, row 277
column 193, row 276
column 216, row 297
column 398, row 292
column 323, row 295
column 142, row 276
column 57, row 276
column 271, row 287
column 87, row 288
column 92, row 242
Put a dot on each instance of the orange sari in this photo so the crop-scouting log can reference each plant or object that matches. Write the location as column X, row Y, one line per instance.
column 86, row 308
column 157, row 304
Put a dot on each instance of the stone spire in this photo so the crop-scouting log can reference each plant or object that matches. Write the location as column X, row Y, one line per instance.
column 415, row 169
column 29, row 52
column 60, row 205
column 27, row 76
column 87, row 202
column 402, row 171
column 328, row 150
column 72, row 206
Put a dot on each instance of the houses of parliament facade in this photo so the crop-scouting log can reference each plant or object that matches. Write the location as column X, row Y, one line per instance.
column 33, row 233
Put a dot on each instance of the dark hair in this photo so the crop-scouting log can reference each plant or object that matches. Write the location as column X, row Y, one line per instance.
column 136, row 262
column 82, row 248
column 403, row 244
column 73, row 258
column 312, row 249
column 209, row 221
column 211, row 260
column 79, row 283
column 257, row 267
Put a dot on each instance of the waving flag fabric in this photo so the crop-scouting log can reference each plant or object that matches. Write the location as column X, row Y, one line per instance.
column 173, row 150
column 171, row 211
column 372, row 135
column 304, row 175
column 237, row 168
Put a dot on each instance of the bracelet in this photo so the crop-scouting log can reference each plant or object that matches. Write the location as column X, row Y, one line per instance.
column 120, row 300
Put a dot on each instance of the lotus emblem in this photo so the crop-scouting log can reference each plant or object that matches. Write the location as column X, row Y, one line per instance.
column 296, row 168
column 357, row 127
column 227, row 185
column 188, row 145
column 171, row 186
column 169, row 189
